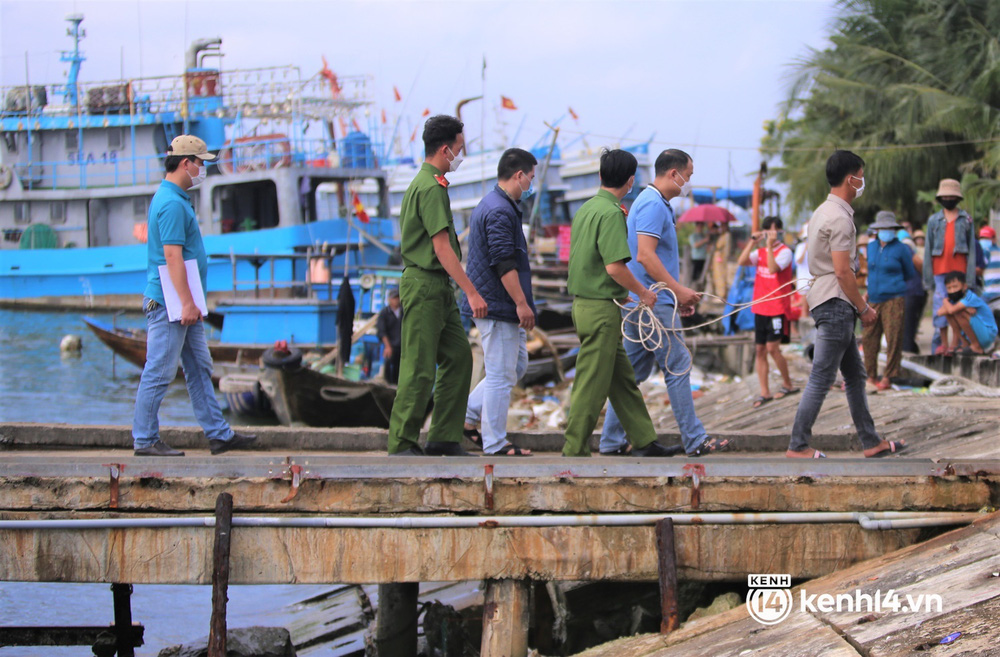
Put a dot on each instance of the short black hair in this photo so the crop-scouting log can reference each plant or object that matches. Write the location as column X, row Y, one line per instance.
column 514, row 160
column 617, row 166
column 955, row 276
column 441, row 130
column 672, row 158
column 771, row 222
column 174, row 161
column 840, row 165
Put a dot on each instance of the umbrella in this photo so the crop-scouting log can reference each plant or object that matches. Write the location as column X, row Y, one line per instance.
column 707, row 214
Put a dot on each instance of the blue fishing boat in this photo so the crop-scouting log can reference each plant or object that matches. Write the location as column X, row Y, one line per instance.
column 81, row 161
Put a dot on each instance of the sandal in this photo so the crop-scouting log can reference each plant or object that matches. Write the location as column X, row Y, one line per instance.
column 710, row 446
column 760, row 401
column 895, row 447
column 511, row 449
column 624, row 450
column 474, row 437
column 815, row 455
column 785, row 391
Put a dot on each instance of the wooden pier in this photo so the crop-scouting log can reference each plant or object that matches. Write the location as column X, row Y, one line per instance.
column 355, row 517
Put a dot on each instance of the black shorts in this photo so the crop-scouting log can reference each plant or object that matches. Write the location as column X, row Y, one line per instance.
column 770, row 329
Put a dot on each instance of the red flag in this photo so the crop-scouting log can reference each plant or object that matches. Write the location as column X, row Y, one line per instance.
column 359, row 209
column 395, row 92
column 573, row 114
column 427, row 112
column 383, row 118
column 507, row 103
column 354, row 123
column 331, row 76
column 413, row 137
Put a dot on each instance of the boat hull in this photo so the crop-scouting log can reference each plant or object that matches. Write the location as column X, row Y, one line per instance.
column 303, row 396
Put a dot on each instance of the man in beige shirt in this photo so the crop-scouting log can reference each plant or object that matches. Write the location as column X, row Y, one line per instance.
column 835, row 302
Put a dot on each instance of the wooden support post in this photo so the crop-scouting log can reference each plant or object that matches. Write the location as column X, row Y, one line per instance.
column 220, row 574
column 396, row 622
column 667, row 561
column 505, row 618
column 122, row 594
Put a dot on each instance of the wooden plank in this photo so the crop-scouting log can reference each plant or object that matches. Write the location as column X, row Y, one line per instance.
column 184, row 556
column 667, row 557
column 220, row 574
column 505, row 618
column 511, row 495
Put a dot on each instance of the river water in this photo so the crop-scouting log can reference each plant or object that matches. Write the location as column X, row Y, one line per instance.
column 37, row 384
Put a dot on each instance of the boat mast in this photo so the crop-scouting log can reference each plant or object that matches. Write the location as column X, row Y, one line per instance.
column 75, row 58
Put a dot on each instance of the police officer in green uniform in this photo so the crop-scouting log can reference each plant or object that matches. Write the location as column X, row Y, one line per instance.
column 435, row 354
column 597, row 276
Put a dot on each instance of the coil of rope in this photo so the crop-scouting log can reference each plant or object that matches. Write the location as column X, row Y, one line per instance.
column 652, row 334
column 959, row 386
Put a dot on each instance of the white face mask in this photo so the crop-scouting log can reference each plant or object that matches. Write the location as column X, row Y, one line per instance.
column 456, row 160
column 860, row 190
column 200, row 178
column 685, row 188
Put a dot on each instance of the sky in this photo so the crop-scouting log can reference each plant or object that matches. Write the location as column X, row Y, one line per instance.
column 701, row 75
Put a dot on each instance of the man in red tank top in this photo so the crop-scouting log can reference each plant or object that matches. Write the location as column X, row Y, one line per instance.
column 772, row 303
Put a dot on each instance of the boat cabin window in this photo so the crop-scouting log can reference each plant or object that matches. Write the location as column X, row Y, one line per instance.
column 115, row 139
column 72, row 140
column 57, row 212
column 246, row 206
column 22, row 212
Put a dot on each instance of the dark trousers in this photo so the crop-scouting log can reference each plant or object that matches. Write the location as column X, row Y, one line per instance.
column 836, row 348
column 912, row 314
column 392, row 366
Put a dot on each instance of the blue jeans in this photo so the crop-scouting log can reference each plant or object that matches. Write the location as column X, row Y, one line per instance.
column 940, row 321
column 836, row 347
column 166, row 343
column 505, row 359
column 676, row 358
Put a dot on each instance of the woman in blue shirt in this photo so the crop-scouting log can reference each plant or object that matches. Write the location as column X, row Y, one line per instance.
column 890, row 266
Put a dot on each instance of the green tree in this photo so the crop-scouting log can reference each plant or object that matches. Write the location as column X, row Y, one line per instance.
column 913, row 87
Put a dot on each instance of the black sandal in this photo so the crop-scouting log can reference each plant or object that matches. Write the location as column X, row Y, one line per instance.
column 710, row 446
column 474, row 437
column 510, row 449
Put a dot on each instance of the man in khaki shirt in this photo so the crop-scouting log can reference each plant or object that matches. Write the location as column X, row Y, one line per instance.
column 835, row 302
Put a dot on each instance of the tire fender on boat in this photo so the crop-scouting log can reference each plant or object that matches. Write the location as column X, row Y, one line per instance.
column 282, row 360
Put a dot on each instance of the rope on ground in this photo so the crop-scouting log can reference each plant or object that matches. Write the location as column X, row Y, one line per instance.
column 949, row 386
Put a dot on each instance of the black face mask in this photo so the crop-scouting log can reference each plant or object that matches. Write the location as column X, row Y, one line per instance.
column 955, row 297
column 949, row 204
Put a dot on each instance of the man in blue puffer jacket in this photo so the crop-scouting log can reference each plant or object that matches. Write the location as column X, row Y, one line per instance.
column 499, row 269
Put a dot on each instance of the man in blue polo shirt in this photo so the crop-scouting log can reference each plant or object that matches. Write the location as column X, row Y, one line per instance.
column 652, row 240
column 174, row 238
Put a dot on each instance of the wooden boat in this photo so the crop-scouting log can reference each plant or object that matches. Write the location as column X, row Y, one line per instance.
column 130, row 344
column 304, row 396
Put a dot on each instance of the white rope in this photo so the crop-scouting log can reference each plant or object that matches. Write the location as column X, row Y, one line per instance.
column 955, row 385
column 652, row 332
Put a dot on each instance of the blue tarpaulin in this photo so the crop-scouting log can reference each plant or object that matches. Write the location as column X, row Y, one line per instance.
column 741, row 292
column 741, row 197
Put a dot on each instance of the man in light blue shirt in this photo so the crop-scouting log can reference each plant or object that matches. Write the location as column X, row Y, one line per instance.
column 652, row 240
column 173, row 238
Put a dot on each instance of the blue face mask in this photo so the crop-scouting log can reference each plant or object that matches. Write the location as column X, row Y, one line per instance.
column 526, row 193
column 902, row 234
column 886, row 236
column 986, row 244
